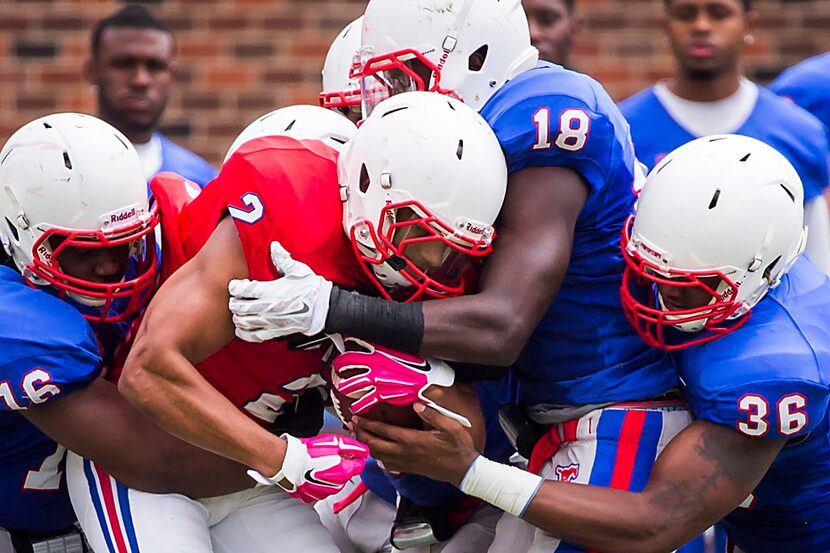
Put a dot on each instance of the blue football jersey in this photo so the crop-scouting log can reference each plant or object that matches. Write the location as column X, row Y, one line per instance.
column 184, row 162
column 770, row 379
column 799, row 136
column 808, row 85
column 583, row 351
column 47, row 351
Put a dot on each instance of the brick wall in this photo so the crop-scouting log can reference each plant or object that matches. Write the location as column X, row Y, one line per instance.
column 241, row 58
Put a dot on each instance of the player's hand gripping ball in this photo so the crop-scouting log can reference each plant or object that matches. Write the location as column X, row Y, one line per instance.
column 382, row 384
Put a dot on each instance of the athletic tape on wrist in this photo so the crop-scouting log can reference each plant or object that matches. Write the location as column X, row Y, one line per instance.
column 511, row 489
column 392, row 324
column 292, row 466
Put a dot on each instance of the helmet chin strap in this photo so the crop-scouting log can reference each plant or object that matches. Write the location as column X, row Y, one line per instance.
column 688, row 326
column 390, row 277
column 698, row 324
column 86, row 300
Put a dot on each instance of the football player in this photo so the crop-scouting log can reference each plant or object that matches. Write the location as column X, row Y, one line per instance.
column 714, row 275
column 548, row 300
column 806, row 85
column 195, row 380
column 554, row 24
column 132, row 67
column 114, row 515
column 78, row 226
column 709, row 95
column 340, row 91
column 432, row 515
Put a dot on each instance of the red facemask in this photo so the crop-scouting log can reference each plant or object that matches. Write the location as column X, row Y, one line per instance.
column 652, row 322
column 140, row 235
column 445, row 278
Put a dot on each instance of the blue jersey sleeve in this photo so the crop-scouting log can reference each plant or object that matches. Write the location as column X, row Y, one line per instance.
column 775, row 409
column 32, row 380
column 558, row 131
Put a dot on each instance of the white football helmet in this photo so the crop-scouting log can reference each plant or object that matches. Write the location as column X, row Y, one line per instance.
column 301, row 122
column 340, row 90
column 723, row 215
column 465, row 48
column 423, row 181
column 73, row 181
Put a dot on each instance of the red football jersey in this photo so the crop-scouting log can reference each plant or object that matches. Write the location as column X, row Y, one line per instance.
column 274, row 188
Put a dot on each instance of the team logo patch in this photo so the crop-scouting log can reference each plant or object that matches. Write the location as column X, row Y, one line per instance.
column 567, row 473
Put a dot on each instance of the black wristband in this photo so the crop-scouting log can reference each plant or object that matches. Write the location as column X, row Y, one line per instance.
column 475, row 372
column 392, row 324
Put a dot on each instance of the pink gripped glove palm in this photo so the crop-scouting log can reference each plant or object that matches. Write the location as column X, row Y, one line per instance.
column 387, row 376
column 317, row 467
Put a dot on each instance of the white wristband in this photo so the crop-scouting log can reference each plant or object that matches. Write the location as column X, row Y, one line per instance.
column 293, row 465
column 511, row 489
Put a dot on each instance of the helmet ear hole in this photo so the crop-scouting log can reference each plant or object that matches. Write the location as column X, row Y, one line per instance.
column 476, row 60
column 13, row 230
column 364, row 178
column 768, row 270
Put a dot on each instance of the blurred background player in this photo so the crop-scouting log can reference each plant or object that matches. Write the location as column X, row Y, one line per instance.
column 132, row 67
column 79, row 228
column 807, row 84
column 743, row 316
column 340, row 91
column 557, row 269
column 709, row 95
column 554, row 25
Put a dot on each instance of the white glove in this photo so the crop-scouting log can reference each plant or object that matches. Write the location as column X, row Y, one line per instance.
column 317, row 467
column 297, row 302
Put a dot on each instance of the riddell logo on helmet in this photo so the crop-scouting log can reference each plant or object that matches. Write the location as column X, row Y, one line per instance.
column 129, row 214
column 120, row 216
column 44, row 253
column 655, row 253
column 475, row 229
column 443, row 60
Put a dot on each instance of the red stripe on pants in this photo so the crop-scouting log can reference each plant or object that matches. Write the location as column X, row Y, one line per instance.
column 112, row 513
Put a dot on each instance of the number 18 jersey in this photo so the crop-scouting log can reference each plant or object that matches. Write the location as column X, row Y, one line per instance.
column 583, row 351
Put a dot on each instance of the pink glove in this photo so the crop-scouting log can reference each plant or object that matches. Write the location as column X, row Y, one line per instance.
column 375, row 374
column 317, row 467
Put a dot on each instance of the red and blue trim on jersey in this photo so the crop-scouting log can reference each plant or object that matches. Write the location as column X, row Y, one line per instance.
column 112, row 506
column 614, row 447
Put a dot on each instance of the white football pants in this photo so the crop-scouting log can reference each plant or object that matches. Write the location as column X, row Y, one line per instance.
column 117, row 519
column 365, row 524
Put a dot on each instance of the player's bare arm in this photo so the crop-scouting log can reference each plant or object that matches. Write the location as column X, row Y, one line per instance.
column 186, row 322
column 489, row 327
column 162, row 463
column 519, row 279
column 703, row 474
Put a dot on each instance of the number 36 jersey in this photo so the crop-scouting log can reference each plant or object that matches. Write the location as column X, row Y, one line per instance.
column 47, row 351
column 583, row 351
column 770, row 379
